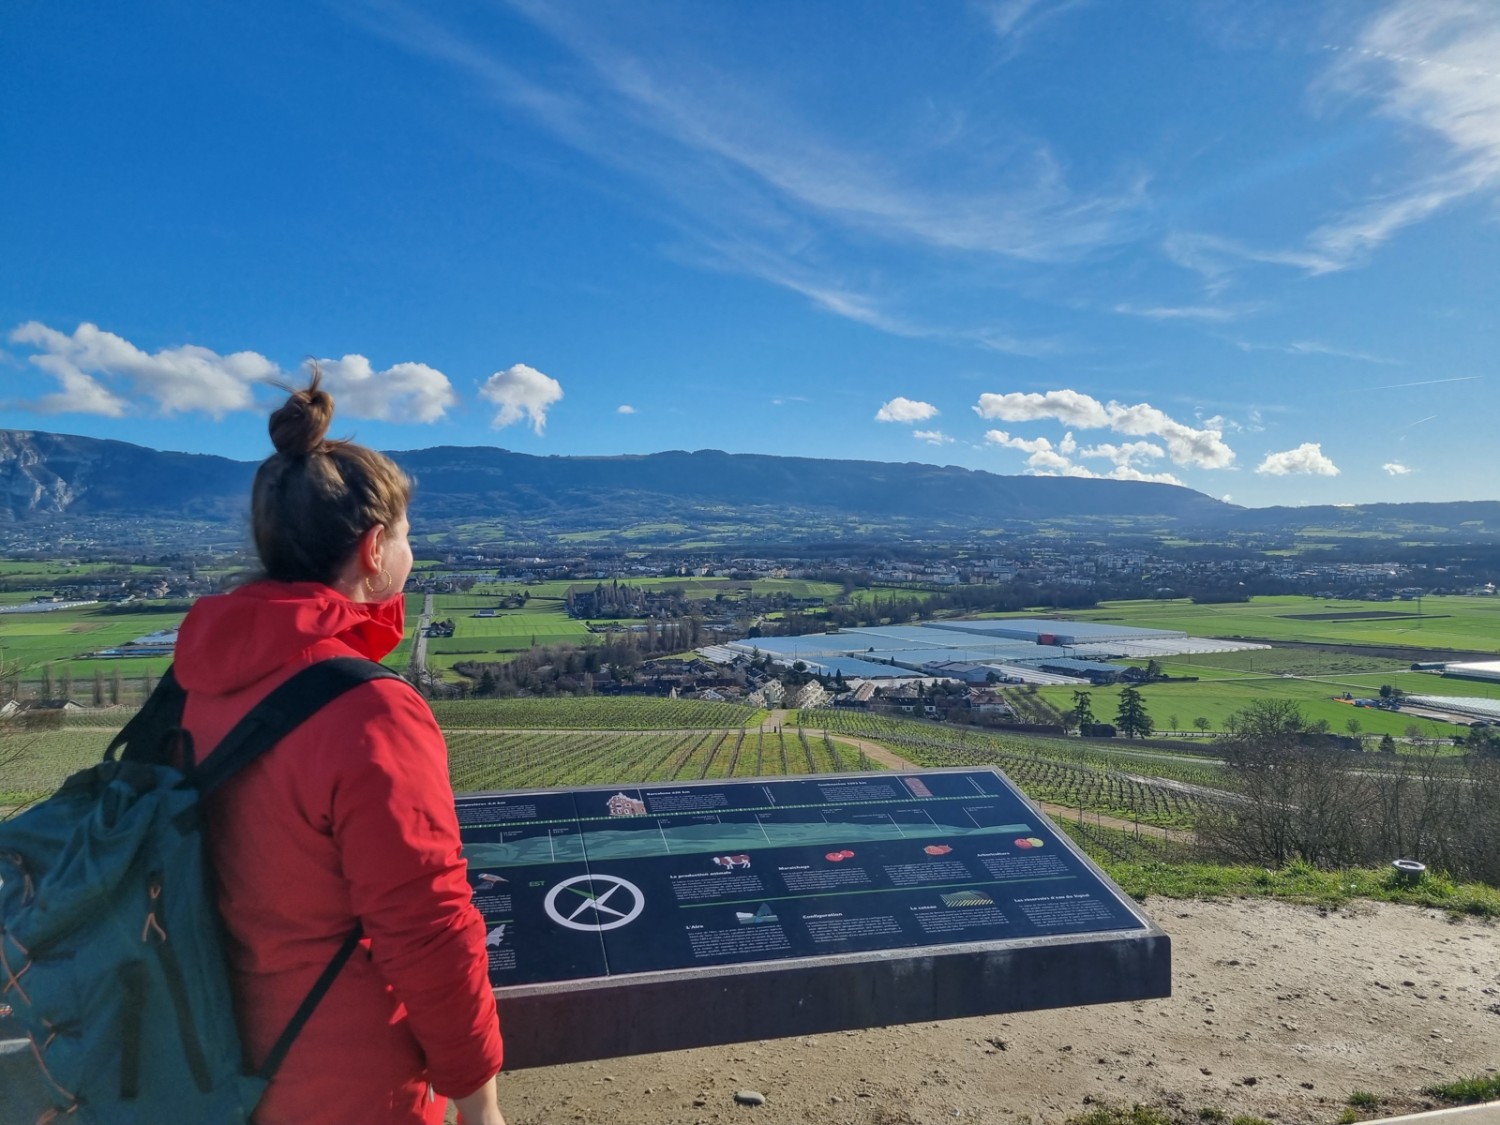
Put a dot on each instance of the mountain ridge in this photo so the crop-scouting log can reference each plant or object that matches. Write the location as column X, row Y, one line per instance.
column 47, row 475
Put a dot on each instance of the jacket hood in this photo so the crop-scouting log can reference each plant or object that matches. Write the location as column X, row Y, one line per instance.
column 229, row 641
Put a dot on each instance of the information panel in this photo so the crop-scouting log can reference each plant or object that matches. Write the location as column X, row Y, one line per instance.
column 596, row 882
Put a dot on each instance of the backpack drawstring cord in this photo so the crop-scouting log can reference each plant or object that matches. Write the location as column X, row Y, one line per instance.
column 152, row 925
column 13, row 976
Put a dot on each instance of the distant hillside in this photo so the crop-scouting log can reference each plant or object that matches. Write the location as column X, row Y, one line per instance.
column 484, row 493
column 45, row 474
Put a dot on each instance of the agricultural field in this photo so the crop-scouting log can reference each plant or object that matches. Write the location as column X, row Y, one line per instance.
column 600, row 713
column 1154, row 788
column 1444, row 622
column 692, row 587
column 1217, row 699
column 63, row 637
column 481, row 760
column 572, row 742
column 541, row 621
column 33, row 764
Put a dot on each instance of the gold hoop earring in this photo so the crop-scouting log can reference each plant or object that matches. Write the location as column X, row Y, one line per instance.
column 374, row 593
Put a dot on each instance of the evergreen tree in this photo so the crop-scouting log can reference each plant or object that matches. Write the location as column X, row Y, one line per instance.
column 1083, row 711
column 1131, row 717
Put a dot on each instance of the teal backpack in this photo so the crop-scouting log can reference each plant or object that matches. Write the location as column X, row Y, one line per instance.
column 111, row 945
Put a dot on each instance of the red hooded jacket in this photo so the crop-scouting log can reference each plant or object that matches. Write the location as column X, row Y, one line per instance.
column 349, row 819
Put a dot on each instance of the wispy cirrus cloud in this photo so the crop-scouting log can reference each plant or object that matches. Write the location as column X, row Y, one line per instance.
column 1013, row 22
column 1208, row 313
column 1396, row 469
column 1317, row 348
column 760, row 180
column 1429, row 66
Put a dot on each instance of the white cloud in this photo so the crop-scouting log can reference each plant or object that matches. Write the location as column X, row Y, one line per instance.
column 905, row 410
column 1306, row 460
column 1046, row 459
column 404, row 392
column 1126, row 454
column 1203, row 448
column 102, row 373
column 932, row 437
column 521, row 392
column 625, row 408
column 1395, row 468
column 1025, row 445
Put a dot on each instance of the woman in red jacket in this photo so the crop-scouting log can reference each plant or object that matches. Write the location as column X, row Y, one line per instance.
column 350, row 819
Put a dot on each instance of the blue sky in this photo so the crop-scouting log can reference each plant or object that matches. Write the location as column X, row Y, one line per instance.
column 1248, row 247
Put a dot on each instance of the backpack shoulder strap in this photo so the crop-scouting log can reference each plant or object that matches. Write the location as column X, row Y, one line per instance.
column 144, row 736
column 266, row 724
column 282, row 711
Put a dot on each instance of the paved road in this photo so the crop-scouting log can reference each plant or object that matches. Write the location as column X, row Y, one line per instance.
column 419, row 643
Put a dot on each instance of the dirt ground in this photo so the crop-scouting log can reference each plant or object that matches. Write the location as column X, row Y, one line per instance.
column 1278, row 1011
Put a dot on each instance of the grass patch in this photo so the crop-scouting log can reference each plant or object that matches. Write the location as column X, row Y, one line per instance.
column 1300, row 882
column 1465, row 1091
column 1363, row 1099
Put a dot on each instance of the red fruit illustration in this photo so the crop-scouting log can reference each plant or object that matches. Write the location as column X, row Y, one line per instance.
column 937, row 849
column 1023, row 842
column 835, row 857
column 847, row 854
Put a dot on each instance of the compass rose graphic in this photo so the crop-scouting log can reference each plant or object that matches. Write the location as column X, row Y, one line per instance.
column 606, row 902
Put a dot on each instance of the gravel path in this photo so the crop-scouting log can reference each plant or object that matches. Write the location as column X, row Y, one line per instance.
column 1279, row 1011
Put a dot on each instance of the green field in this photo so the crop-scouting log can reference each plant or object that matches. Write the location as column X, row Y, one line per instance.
column 1449, row 622
column 1216, row 699
column 572, row 742
column 63, row 638
column 514, row 760
column 605, row 713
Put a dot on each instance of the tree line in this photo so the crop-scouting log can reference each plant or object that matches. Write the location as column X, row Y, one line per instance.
column 1297, row 797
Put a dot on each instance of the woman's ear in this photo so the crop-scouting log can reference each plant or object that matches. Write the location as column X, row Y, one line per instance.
column 371, row 549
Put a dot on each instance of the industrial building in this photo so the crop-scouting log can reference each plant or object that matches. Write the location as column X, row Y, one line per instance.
column 1016, row 650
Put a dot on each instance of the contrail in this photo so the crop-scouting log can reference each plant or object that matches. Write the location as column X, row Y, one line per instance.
column 1426, row 383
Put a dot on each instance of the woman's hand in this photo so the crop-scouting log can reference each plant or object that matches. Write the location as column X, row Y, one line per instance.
column 481, row 1107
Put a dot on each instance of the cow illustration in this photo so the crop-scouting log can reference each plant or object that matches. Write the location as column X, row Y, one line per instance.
column 730, row 862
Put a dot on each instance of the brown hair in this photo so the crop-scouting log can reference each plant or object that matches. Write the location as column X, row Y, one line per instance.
column 313, row 498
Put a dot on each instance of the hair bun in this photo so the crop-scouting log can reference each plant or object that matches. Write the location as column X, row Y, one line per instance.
column 301, row 424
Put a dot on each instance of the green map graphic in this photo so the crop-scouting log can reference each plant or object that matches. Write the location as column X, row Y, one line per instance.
column 722, row 838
